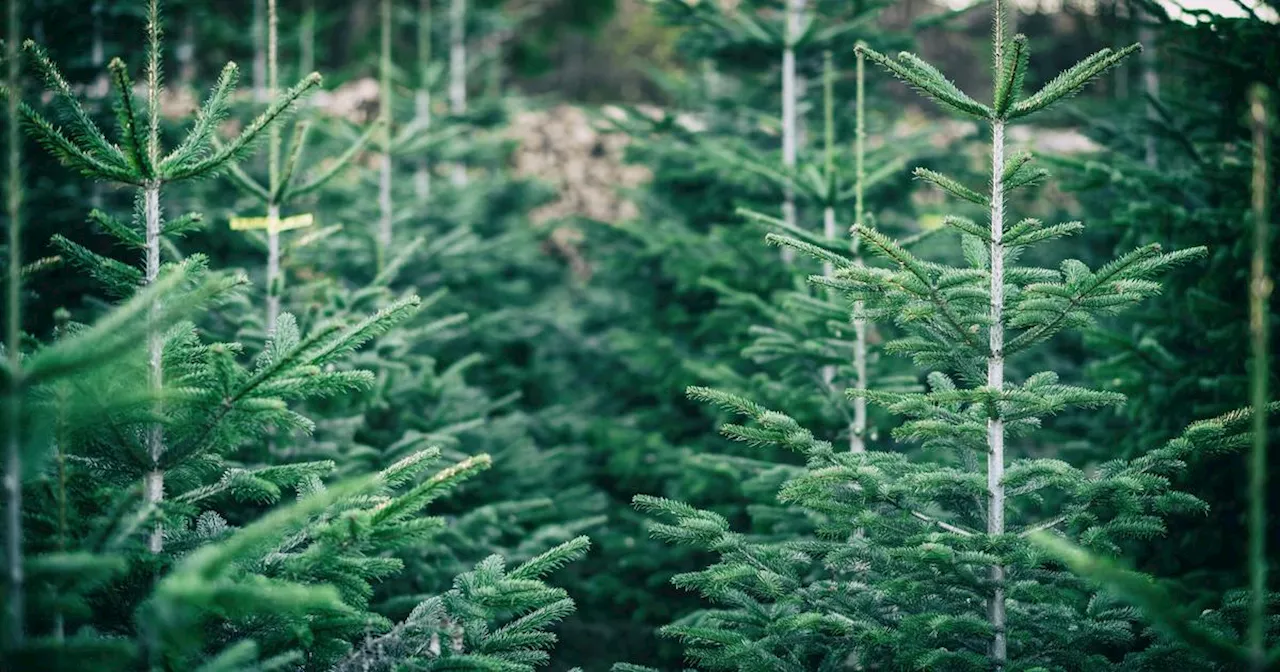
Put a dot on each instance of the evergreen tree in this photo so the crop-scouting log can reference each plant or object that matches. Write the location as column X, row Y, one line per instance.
column 1239, row 634
column 925, row 562
column 222, row 586
column 1179, row 354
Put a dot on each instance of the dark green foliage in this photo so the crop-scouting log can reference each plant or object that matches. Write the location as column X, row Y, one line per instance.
column 159, row 538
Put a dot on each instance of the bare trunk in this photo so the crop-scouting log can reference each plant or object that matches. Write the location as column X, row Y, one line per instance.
column 1259, row 293
column 186, row 53
column 995, row 381
column 422, row 175
column 1120, row 9
column 995, row 364
column 794, row 8
column 388, row 116
column 458, row 73
column 101, row 85
column 857, row 439
column 1150, row 83
column 422, row 99
column 15, row 581
column 275, row 287
column 275, row 283
column 307, row 39
column 259, row 52
column 828, row 230
column 153, row 485
column 385, row 204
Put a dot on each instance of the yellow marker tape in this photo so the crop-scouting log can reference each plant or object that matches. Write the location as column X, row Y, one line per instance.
column 281, row 224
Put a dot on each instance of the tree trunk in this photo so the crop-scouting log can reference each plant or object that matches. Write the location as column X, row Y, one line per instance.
column 458, row 73
column 1150, row 83
column 275, row 283
column 259, row 52
column 857, row 438
column 422, row 99
column 186, row 53
column 153, row 486
column 15, row 580
column 307, row 39
column 995, row 370
column 795, row 11
column 1259, row 294
column 388, row 116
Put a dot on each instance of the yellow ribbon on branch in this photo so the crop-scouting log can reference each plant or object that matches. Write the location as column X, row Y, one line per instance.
column 277, row 223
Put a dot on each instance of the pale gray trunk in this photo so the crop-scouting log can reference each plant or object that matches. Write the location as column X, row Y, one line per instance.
column 384, row 204
column 307, row 39
column 186, row 53
column 275, row 285
column 1150, row 82
column 795, row 10
column 15, row 590
column 1260, row 288
column 259, row 51
column 995, row 381
column 422, row 176
column 857, row 438
column 153, row 485
column 828, row 230
column 98, row 53
column 422, row 99
column 1121, row 75
column 458, row 72
column 101, row 84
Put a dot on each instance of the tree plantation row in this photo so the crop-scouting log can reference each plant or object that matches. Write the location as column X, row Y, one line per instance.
column 404, row 368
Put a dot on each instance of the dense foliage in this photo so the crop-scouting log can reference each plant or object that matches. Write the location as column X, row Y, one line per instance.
column 317, row 373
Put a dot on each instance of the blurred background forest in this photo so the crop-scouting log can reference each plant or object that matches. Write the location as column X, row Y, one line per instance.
column 546, row 200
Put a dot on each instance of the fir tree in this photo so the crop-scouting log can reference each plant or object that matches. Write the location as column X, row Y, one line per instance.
column 1239, row 634
column 280, row 190
column 1178, row 355
column 136, row 160
column 910, row 549
column 291, row 588
column 14, row 589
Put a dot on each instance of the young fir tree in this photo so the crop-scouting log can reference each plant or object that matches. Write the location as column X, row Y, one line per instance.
column 707, row 292
column 292, row 589
column 1179, row 354
column 137, row 161
column 435, row 384
column 1240, row 633
column 805, row 331
column 925, row 562
column 15, row 590
column 285, row 183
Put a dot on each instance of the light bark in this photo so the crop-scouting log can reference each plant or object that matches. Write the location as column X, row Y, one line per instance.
column 385, row 204
column 995, row 366
column 259, row 52
column 795, row 12
column 1150, row 83
column 275, row 282
column 422, row 99
column 857, row 437
column 458, row 73
column 307, row 39
column 153, row 483
column 1260, row 288
column 15, row 579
